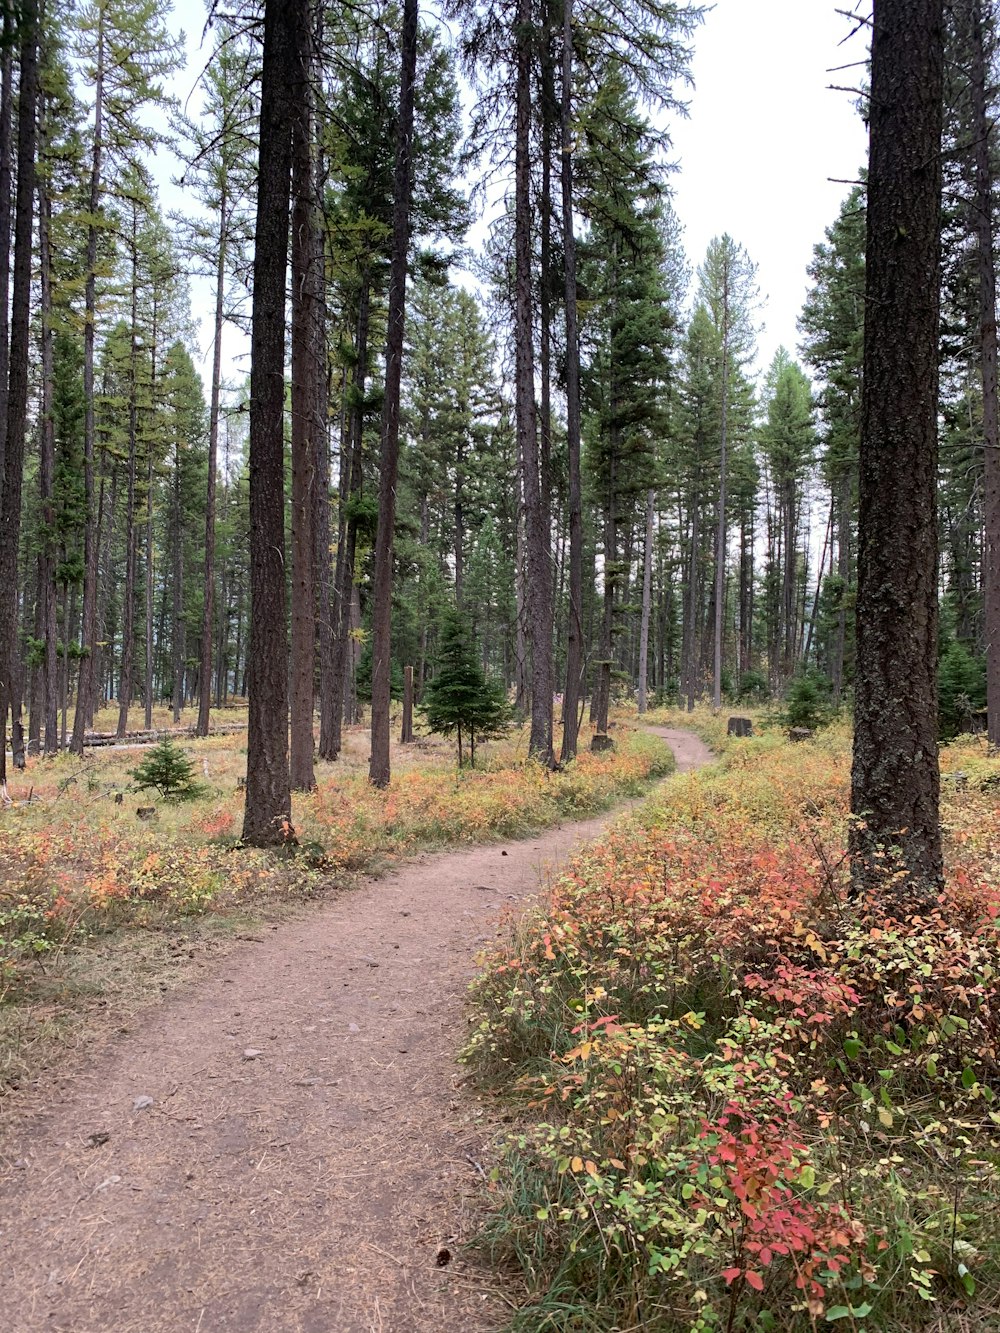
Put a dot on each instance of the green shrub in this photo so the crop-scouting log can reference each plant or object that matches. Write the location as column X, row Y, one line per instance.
column 170, row 771
column 807, row 700
column 961, row 689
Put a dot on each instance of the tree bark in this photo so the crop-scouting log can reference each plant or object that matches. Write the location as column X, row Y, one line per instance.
column 305, row 336
column 379, row 769
column 88, row 630
column 406, row 732
column 983, row 212
column 215, row 412
column 46, row 481
column 895, row 779
column 17, row 400
column 647, row 601
column 267, row 815
column 131, row 535
column 539, row 577
column 720, row 535
column 351, row 480
column 574, row 630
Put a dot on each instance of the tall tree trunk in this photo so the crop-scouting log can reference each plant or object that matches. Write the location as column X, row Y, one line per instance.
column 746, row 594
column 147, row 692
column 983, row 211
column 131, row 534
column 321, row 489
column 844, row 574
column 305, row 336
column 267, row 814
column 689, row 651
column 788, row 584
column 647, row 601
column 208, row 569
column 813, row 618
column 378, row 769
column 602, row 689
column 88, row 631
column 177, row 609
column 539, row 578
column 895, row 778
column 522, row 688
column 12, row 475
column 720, row 535
column 574, row 629
column 351, row 481
column 48, row 592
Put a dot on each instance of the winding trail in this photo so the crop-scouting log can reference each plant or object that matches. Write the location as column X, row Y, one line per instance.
column 287, row 1146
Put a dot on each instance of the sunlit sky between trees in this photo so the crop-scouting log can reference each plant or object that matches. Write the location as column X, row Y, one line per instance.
column 763, row 153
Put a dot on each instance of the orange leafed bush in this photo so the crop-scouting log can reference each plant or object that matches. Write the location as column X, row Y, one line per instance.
column 787, row 1095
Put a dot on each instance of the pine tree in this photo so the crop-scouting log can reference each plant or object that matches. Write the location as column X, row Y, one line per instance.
column 727, row 289
column 832, row 324
column 788, row 441
column 459, row 699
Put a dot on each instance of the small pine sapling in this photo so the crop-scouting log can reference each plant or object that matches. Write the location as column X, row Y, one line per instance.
column 459, row 699
column 169, row 770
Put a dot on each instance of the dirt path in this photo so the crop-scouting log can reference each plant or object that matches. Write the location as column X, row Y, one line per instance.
column 286, row 1146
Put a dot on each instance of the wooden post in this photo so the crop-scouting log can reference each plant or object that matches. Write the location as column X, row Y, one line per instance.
column 406, row 735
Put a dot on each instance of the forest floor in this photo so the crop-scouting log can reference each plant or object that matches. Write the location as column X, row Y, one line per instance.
column 287, row 1144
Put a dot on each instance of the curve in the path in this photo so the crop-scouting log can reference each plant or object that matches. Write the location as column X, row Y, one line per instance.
column 286, row 1146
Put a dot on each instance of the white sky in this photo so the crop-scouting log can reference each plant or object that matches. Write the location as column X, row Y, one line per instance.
column 764, row 136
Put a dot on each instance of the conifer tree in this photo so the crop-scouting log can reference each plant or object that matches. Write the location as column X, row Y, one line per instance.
column 459, row 699
column 727, row 288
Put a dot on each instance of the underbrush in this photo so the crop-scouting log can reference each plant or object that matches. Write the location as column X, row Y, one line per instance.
column 745, row 1101
column 77, row 863
column 507, row 798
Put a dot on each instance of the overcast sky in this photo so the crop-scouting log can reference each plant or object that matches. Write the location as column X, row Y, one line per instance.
column 764, row 137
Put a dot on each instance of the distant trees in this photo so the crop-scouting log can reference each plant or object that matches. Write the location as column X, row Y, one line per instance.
column 587, row 468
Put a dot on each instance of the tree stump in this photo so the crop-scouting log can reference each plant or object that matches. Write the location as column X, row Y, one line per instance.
column 601, row 742
column 739, row 726
column 800, row 734
column 146, row 812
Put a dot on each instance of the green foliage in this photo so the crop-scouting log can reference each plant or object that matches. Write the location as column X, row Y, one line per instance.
column 459, row 699
column 364, row 676
column 168, row 769
column 753, row 687
column 745, row 1104
column 807, row 699
column 961, row 689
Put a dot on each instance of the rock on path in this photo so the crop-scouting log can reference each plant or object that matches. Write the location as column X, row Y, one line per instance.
column 286, row 1146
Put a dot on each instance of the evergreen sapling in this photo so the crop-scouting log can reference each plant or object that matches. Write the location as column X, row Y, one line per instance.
column 459, row 699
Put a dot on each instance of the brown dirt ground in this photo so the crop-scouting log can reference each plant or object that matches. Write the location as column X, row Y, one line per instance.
column 306, row 1146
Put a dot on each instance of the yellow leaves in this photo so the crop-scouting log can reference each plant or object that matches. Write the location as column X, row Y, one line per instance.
column 578, row 1164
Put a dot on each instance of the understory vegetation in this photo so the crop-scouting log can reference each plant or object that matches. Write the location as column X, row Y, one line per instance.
column 84, row 853
column 743, row 1100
